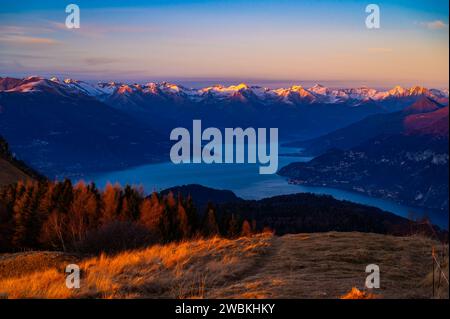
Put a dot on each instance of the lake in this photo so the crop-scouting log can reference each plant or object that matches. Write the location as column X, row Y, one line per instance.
column 246, row 182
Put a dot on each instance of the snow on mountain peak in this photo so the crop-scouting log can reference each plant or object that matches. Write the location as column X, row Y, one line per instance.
column 397, row 91
column 320, row 89
column 241, row 86
column 297, row 88
column 33, row 78
column 301, row 91
column 220, row 90
column 166, row 86
column 418, row 90
column 294, row 94
column 124, row 88
column 29, row 84
column 150, row 87
column 69, row 81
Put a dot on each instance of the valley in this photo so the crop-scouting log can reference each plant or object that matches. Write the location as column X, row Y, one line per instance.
column 154, row 153
column 116, row 132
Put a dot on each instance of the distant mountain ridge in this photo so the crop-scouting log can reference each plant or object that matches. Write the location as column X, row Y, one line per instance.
column 62, row 133
column 420, row 115
column 297, row 111
column 292, row 95
column 70, row 127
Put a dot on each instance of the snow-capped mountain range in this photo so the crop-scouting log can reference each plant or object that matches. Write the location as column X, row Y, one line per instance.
column 242, row 92
column 76, row 127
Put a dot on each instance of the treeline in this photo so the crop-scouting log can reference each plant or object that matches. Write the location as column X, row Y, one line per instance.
column 62, row 216
column 310, row 213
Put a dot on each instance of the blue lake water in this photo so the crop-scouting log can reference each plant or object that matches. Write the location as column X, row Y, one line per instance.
column 246, row 182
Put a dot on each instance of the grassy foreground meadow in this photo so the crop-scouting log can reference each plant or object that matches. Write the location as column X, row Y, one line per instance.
column 319, row 265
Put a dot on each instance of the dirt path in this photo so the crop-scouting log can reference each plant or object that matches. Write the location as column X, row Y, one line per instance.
column 329, row 265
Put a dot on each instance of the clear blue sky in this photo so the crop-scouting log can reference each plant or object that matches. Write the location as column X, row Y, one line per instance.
column 253, row 41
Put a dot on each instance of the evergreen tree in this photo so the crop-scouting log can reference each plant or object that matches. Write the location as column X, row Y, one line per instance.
column 184, row 228
column 209, row 225
column 83, row 212
column 151, row 215
column 233, row 229
column 22, row 220
column 169, row 228
column 6, row 227
column 191, row 213
column 47, row 200
column 111, row 203
column 131, row 202
column 63, row 195
column 246, row 229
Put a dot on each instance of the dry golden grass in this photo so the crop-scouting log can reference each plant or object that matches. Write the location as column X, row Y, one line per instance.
column 178, row 270
column 17, row 265
column 441, row 286
column 328, row 265
column 355, row 293
column 321, row 265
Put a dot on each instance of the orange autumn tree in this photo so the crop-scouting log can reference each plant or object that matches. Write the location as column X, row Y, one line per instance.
column 60, row 216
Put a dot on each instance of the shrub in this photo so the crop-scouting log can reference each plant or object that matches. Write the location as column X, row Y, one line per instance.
column 114, row 237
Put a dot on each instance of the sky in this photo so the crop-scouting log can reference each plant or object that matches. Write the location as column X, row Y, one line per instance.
column 199, row 42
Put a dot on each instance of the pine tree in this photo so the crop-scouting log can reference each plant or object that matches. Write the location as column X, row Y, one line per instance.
column 170, row 200
column 47, row 200
column 184, row 228
column 22, row 219
column 83, row 212
column 151, row 215
column 246, row 229
column 5, row 228
column 111, row 203
column 131, row 202
column 233, row 227
column 8, row 196
column 63, row 195
column 169, row 226
column 210, row 226
column 35, row 221
column 191, row 213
